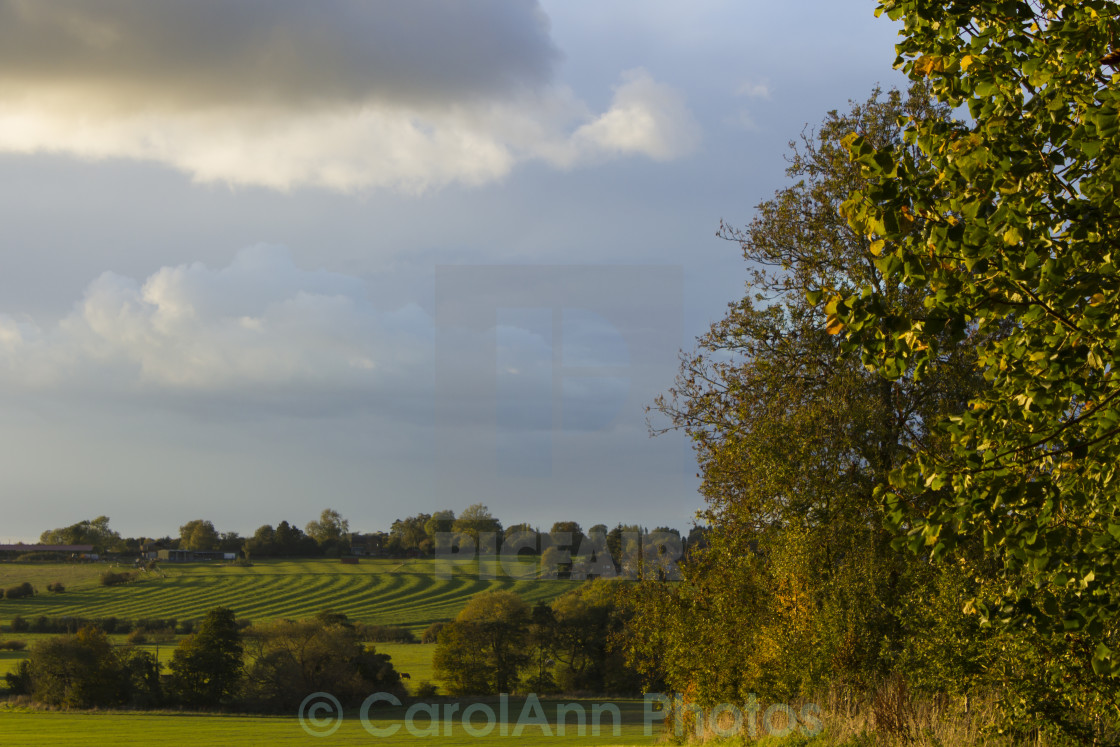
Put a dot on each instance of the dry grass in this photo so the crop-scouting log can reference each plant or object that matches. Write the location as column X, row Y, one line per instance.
column 894, row 716
column 891, row 717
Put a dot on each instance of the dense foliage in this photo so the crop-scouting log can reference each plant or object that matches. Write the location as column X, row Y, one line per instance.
column 800, row 586
column 86, row 671
column 207, row 666
column 1006, row 224
column 293, row 659
column 499, row 644
column 268, row 668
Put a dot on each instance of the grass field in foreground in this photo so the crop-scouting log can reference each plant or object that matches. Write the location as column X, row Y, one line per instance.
column 386, row 592
column 61, row 729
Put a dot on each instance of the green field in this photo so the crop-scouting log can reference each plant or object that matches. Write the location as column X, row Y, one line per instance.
column 413, row 659
column 387, row 592
column 58, row 729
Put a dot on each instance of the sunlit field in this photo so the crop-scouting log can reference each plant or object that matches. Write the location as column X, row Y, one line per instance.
column 27, row 728
column 385, row 592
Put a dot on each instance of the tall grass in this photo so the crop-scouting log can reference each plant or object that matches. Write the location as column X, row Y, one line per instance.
column 891, row 716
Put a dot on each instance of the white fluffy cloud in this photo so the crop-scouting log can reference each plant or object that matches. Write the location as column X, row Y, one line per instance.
column 259, row 325
column 338, row 94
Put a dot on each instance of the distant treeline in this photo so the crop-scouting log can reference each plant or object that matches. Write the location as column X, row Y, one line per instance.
column 331, row 536
column 69, row 624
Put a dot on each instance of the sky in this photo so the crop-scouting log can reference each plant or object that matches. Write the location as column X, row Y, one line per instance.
column 266, row 258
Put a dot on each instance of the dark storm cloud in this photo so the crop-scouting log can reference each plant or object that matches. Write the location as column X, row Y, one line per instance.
column 194, row 53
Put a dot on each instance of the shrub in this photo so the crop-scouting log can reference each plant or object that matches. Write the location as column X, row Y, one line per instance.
column 19, row 681
column 186, row 627
column 108, row 578
column 12, row 645
column 43, row 624
column 112, row 625
column 385, row 634
column 136, row 637
column 20, row 591
column 431, row 633
column 19, row 625
column 56, row 587
column 69, row 625
column 425, row 689
column 152, row 625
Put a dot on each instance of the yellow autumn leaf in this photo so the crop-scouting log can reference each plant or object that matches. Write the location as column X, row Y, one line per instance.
column 966, row 62
column 928, row 64
column 1012, row 236
column 877, row 247
column 834, row 326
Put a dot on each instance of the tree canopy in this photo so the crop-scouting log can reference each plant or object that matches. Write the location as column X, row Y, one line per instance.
column 484, row 649
column 94, row 532
column 792, row 435
column 198, row 535
column 330, row 527
column 1006, row 224
column 207, row 666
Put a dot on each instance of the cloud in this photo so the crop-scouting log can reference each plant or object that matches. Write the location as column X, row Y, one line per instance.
column 753, row 90
column 127, row 54
column 645, row 117
column 259, row 327
column 263, row 336
column 341, row 94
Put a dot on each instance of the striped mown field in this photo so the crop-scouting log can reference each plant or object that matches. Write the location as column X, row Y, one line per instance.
column 385, row 592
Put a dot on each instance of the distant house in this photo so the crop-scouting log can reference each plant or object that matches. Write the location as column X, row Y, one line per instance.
column 191, row 556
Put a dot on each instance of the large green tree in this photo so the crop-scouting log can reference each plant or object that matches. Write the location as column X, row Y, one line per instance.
column 475, row 520
column 87, row 671
column 198, row 534
column 409, row 534
column 330, row 528
column 484, row 649
column 1008, row 225
column 292, row 659
column 94, row 532
column 207, row 666
column 800, row 585
column 587, row 625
